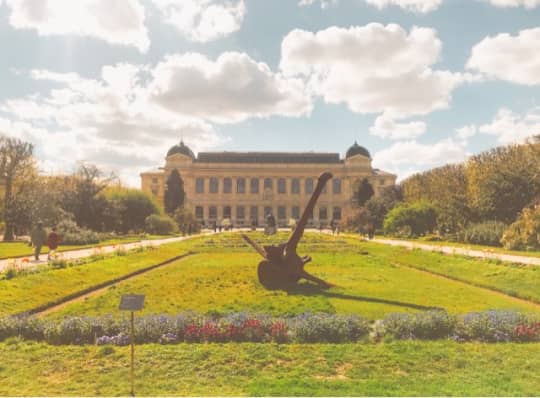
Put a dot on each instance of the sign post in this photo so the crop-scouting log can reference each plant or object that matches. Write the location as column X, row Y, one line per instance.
column 132, row 302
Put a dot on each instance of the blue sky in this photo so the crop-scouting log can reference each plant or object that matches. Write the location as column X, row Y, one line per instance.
column 418, row 82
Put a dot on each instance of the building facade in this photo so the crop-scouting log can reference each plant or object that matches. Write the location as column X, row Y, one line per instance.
column 246, row 186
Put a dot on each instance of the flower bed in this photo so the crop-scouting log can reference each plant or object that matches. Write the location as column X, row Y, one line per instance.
column 490, row 326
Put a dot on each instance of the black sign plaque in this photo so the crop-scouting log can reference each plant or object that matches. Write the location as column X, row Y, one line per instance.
column 131, row 302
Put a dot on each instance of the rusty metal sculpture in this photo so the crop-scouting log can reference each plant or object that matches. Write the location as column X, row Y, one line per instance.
column 282, row 267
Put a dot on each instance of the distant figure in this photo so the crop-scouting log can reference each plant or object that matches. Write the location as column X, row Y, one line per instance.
column 38, row 237
column 337, row 229
column 370, row 230
column 253, row 224
column 53, row 240
column 215, row 226
column 270, row 224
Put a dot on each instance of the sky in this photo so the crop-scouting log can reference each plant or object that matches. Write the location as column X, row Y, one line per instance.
column 419, row 83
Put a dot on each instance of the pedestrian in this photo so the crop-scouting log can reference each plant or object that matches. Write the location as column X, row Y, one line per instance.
column 370, row 230
column 38, row 236
column 53, row 240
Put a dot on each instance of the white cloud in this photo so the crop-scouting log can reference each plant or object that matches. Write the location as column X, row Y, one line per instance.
column 411, row 156
column 386, row 127
column 372, row 69
column 116, row 22
column 515, row 3
column 421, row 6
column 203, row 20
column 108, row 121
column 511, row 127
column 512, row 58
column 466, row 132
column 230, row 89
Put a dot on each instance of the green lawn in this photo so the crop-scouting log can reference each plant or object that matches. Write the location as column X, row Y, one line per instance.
column 371, row 282
column 21, row 249
column 26, row 292
column 401, row 368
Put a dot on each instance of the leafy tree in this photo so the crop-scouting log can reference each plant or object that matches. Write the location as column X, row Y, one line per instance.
column 524, row 234
column 84, row 199
column 15, row 159
column 379, row 206
column 174, row 194
column 130, row 208
column 364, row 192
column 411, row 219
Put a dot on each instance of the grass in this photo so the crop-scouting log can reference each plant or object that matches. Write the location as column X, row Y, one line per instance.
column 400, row 368
column 26, row 292
column 21, row 249
column 222, row 279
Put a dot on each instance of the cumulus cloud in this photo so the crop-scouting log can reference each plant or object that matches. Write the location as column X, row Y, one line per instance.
column 372, row 69
column 421, row 6
column 512, row 58
column 324, row 3
column 511, row 127
column 203, row 20
column 386, row 127
column 515, row 3
column 466, row 132
column 116, row 22
column 230, row 89
column 408, row 157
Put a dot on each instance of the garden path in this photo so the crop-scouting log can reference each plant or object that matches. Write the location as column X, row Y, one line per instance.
column 81, row 253
column 486, row 254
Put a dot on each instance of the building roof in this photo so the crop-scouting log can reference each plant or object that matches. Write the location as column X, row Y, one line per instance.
column 267, row 157
column 356, row 149
column 181, row 149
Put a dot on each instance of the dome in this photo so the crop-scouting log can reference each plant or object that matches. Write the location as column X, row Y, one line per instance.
column 357, row 150
column 181, row 149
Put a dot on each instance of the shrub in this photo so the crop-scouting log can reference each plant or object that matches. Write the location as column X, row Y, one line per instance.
column 160, row 225
column 490, row 326
column 485, row 233
column 524, row 234
column 72, row 234
column 427, row 325
column 411, row 219
column 133, row 207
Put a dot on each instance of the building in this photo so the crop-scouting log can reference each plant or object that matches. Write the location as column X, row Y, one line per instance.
column 246, row 186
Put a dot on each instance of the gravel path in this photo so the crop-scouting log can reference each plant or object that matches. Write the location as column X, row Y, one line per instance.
column 512, row 258
column 81, row 253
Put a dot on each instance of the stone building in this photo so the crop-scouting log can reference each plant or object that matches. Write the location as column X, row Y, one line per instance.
column 246, row 186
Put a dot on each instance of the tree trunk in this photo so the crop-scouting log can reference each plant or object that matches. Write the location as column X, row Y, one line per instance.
column 10, row 226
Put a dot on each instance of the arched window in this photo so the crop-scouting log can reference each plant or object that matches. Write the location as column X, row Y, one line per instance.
column 227, row 185
column 268, row 184
column 295, row 186
column 336, row 186
column 240, row 185
column 199, row 185
column 214, row 185
column 254, row 185
column 309, row 186
column 282, row 185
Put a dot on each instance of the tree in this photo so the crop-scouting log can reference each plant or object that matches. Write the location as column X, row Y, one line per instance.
column 411, row 219
column 174, row 194
column 84, row 199
column 364, row 192
column 15, row 159
column 130, row 207
column 379, row 206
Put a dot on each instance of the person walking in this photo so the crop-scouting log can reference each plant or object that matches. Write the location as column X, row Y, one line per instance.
column 38, row 236
column 53, row 240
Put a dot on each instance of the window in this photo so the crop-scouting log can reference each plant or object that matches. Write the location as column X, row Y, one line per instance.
column 212, row 212
column 267, row 210
column 281, row 185
column 309, row 185
column 199, row 185
column 227, row 185
column 295, row 185
column 336, row 186
column 336, row 214
column 240, row 212
column 323, row 213
column 381, row 181
column 240, row 185
column 199, row 212
column 281, row 213
column 154, row 180
column 268, row 184
column 155, row 191
column 254, row 213
column 295, row 212
column 254, row 185
column 214, row 185
column 227, row 212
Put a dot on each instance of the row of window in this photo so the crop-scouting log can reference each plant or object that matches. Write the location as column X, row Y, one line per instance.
column 268, row 184
column 282, row 213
